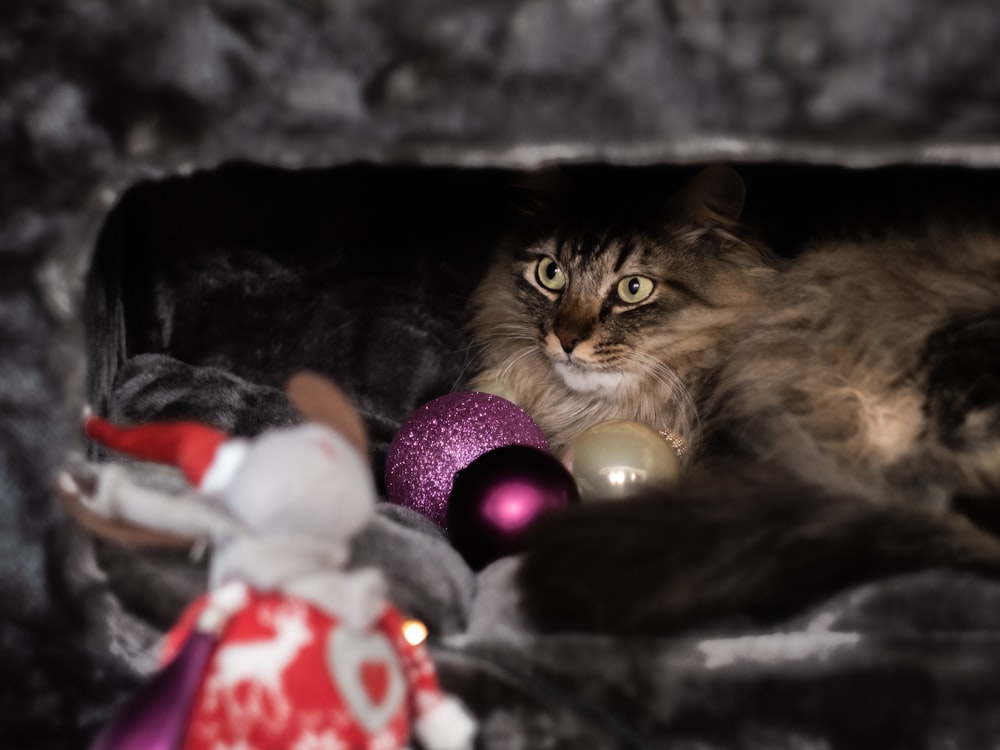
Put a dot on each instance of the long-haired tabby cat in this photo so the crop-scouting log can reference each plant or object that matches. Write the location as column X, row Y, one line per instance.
column 839, row 411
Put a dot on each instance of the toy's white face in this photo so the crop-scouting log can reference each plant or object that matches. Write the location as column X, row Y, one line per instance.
column 306, row 481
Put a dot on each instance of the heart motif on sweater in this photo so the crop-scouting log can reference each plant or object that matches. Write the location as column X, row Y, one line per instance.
column 375, row 678
column 366, row 670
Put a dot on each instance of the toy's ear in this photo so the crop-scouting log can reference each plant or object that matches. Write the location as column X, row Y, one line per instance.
column 321, row 401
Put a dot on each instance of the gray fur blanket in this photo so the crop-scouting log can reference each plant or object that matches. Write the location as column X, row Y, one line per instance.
column 115, row 121
column 898, row 663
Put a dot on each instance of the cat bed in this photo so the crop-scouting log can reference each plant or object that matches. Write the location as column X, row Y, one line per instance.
column 207, row 290
column 194, row 315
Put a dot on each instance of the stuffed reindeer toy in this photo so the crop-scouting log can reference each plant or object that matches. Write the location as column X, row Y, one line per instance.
column 286, row 649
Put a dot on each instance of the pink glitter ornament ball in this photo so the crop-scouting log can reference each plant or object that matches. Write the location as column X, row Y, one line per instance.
column 446, row 435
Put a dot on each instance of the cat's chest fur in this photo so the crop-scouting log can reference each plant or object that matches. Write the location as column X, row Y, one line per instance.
column 565, row 404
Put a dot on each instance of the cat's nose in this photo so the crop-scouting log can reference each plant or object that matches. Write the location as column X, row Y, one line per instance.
column 568, row 341
column 571, row 331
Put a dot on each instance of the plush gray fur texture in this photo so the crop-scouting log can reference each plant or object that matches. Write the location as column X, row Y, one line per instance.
column 96, row 97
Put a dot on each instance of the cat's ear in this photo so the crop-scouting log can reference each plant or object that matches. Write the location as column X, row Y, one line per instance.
column 539, row 191
column 714, row 195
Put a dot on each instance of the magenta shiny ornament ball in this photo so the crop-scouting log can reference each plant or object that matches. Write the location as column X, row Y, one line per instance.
column 497, row 498
column 446, row 435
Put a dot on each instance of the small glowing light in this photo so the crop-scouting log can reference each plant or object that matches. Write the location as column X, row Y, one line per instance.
column 415, row 632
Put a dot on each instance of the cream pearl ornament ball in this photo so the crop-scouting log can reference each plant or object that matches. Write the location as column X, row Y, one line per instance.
column 620, row 459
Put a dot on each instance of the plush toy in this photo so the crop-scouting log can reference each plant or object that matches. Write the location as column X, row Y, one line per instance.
column 287, row 649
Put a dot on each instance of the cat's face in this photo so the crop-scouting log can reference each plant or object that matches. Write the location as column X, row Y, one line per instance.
column 605, row 303
column 600, row 306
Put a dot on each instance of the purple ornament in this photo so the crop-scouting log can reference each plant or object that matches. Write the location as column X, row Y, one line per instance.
column 498, row 497
column 446, row 435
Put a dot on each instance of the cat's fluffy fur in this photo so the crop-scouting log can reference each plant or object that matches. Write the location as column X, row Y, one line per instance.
column 636, row 362
column 836, row 406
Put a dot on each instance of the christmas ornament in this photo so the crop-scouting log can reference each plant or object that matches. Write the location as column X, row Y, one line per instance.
column 499, row 496
column 286, row 649
column 620, row 459
column 446, row 435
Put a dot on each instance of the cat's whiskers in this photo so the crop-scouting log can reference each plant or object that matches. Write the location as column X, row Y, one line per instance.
column 506, row 367
column 512, row 337
column 514, row 327
column 664, row 375
column 677, row 391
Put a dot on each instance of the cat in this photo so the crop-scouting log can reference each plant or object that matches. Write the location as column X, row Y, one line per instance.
column 837, row 411
column 569, row 320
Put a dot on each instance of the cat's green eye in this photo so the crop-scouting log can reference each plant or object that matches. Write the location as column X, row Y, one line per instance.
column 550, row 275
column 634, row 289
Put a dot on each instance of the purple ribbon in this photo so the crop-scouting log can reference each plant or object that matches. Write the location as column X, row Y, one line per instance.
column 156, row 716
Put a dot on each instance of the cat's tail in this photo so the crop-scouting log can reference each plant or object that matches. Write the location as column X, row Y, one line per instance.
column 750, row 546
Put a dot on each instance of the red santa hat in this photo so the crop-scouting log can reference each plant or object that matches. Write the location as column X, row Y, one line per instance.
column 206, row 455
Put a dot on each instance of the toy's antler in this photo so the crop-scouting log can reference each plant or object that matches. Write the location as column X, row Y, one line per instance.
column 321, row 401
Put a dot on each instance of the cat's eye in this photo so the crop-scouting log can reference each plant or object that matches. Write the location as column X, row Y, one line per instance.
column 550, row 275
column 634, row 289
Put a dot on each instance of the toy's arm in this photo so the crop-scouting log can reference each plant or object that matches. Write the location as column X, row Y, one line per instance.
column 440, row 721
column 118, row 497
